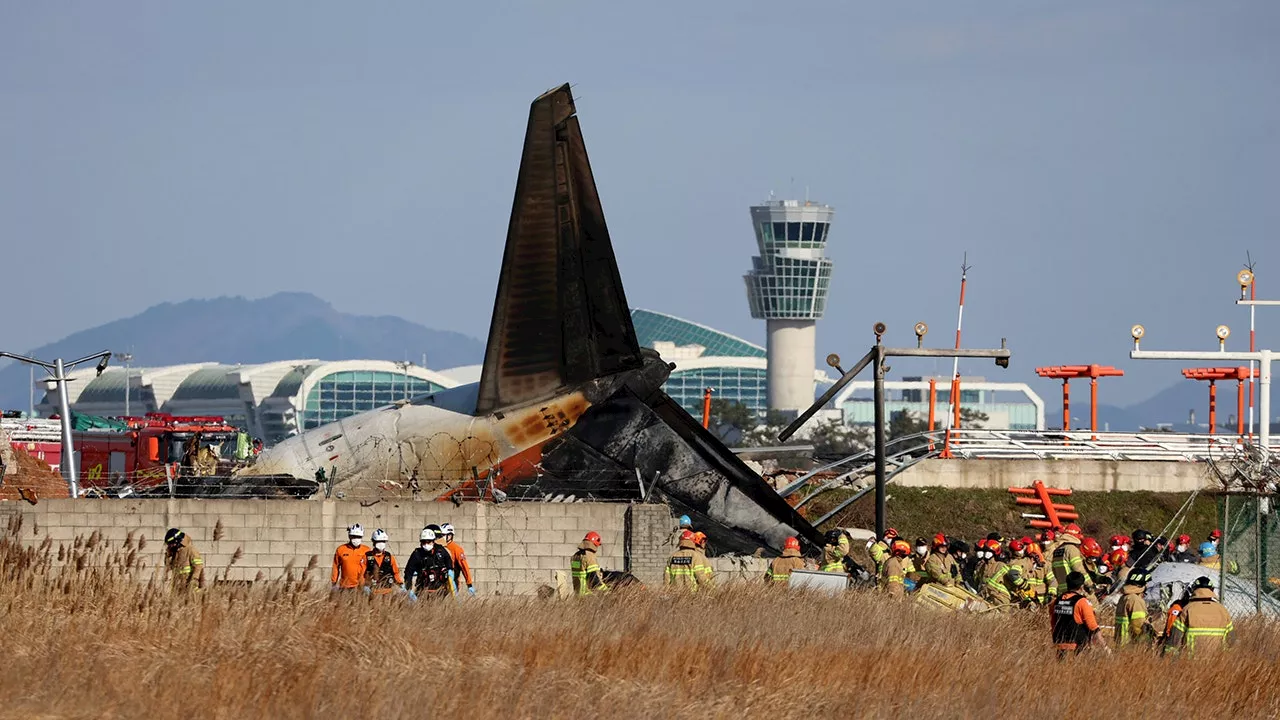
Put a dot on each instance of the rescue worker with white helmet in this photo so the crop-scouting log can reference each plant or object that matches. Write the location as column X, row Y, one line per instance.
column 381, row 573
column 461, row 568
column 348, row 561
column 427, row 572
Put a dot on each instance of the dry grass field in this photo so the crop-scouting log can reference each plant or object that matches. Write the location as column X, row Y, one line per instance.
column 97, row 635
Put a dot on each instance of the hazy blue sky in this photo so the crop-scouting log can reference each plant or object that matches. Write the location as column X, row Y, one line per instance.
column 1102, row 163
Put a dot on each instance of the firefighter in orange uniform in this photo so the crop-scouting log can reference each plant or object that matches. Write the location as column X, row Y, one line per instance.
column 381, row 573
column 1072, row 621
column 348, row 561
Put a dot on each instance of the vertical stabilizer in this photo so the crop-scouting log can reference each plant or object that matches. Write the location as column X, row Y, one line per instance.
column 560, row 316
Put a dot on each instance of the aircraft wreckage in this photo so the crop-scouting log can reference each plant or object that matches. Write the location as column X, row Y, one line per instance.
column 568, row 403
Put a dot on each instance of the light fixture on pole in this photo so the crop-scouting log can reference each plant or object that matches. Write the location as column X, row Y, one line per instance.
column 59, row 371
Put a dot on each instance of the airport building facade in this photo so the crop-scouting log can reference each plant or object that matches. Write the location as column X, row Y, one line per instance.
column 1008, row 406
column 271, row 400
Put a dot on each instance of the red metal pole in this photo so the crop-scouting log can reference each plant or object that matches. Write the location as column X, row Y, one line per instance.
column 1213, row 405
column 1252, row 296
column 706, row 408
column 1093, row 407
column 1240, row 408
column 1066, row 405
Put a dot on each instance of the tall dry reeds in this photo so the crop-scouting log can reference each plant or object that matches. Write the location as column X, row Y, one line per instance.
column 99, row 635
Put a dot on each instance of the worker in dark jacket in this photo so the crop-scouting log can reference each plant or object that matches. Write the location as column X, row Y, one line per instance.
column 427, row 572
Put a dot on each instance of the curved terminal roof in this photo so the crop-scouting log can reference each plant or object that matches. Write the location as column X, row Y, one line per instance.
column 654, row 327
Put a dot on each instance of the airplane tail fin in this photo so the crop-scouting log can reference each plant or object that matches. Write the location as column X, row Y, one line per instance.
column 560, row 316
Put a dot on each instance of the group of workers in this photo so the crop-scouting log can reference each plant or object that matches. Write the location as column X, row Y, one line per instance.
column 437, row 568
column 1063, row 570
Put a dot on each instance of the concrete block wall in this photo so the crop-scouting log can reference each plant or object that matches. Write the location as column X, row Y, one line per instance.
column 513, row 548
column 1097, row 475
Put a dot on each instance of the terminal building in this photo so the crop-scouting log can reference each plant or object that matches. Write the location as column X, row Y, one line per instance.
column 271, row 401
column 1008, row 406
column 734, row 369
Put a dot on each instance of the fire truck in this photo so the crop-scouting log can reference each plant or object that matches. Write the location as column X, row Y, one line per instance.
column 149, row 452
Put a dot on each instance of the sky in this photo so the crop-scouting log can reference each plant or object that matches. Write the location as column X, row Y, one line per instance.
column 1101, row 164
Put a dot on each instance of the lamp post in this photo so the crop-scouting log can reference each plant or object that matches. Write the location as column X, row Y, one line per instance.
column 877, row 354
column 127, row 358
column 59, row 371
column 1262, row 357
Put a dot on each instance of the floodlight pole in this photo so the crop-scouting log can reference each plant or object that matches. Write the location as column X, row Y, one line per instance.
column 58, row 368
column 877, row 354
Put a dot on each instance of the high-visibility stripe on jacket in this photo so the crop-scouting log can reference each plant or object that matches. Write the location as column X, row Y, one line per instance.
column 1131, row 616
column 780, row 568
column 1203, row 622
column 585, row 572
column 879, row 552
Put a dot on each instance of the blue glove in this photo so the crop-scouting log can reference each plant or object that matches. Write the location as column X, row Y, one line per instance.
column 413, row 596
column 471, row 589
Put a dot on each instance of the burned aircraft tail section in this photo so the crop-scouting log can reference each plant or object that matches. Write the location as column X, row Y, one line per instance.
column 560, row 317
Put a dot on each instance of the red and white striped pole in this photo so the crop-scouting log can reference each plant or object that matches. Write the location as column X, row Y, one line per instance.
column 953, row 415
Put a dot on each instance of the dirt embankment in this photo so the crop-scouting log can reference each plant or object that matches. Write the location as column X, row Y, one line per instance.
column 33, row 480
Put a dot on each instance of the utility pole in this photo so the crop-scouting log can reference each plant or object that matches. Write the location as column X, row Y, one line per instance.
column 59, row 370
column 877, row 354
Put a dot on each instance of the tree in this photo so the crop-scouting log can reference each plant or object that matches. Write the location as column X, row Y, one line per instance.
column 731, row 420
column 904, row 423
column 973, row 419
column 832, row 438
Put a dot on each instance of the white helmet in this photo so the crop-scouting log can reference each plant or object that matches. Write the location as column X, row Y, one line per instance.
column 447, row 529
column 356, row 530
column 427, row 534
column 380, row 535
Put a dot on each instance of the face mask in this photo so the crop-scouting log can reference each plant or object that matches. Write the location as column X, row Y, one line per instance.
column 379, row 546
column 355, row 542
column 1182, row 548
column 1022, row 553
column 1125, row 547
column 921, row 549
column 1045, row 544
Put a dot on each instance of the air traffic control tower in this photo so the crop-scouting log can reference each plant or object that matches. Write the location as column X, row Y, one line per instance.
column 787, row 288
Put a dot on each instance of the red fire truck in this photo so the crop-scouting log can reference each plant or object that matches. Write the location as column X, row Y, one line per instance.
column 147, row 452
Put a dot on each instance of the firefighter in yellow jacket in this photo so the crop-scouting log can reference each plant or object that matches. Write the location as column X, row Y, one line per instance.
column 1131, row 611
column 184, row 561
column 584, row 569
column 688, row 568
column 894, row 575
column 779, row 572
column 1204, row 624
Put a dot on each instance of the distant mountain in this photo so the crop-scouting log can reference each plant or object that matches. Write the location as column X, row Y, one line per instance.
column 284, row 326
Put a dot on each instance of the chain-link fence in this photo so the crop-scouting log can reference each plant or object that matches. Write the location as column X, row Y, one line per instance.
column 1249, row 576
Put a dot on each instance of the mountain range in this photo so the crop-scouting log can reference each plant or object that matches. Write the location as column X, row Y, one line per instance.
column 284, row 326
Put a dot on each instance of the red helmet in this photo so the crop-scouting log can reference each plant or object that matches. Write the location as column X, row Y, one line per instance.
column 1090, row 548
column 1215, row 535
column 901, row 548
column 791, row 543
column 593, row 537
column 1048, row 536
column 686, row 535
column 1017, row 546
column 699, row 538
column 1184, row 539
column 939, row 540
column 890, row 533
column 1073, row 529
column 994, row 546
column 1026, row 540
column 1117, row 558
column 1117, row 540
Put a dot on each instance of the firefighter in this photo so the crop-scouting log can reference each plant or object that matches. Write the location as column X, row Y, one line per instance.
column 1091, row 551
column 1032, row 592
column 1132, row 625
column 779, row 572
column 1067, row 557
column 1204, row 624
column 894, row 578
column 917, row 572
column 184, row 561
column 833, row 551
column 462, row 569
column 1182, row 552
column 959, row 549
column 682, row 524
column 427, row 572
column 348, row 561
column 381, row 573
column 1143, row 553
column 991, row 572
column 879, row 549
column 680, row 571
column 1072, row 623
column 1215, row 537
column 584, row 569
column 702, row 567
column 1175, row 610
column 940, row 567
